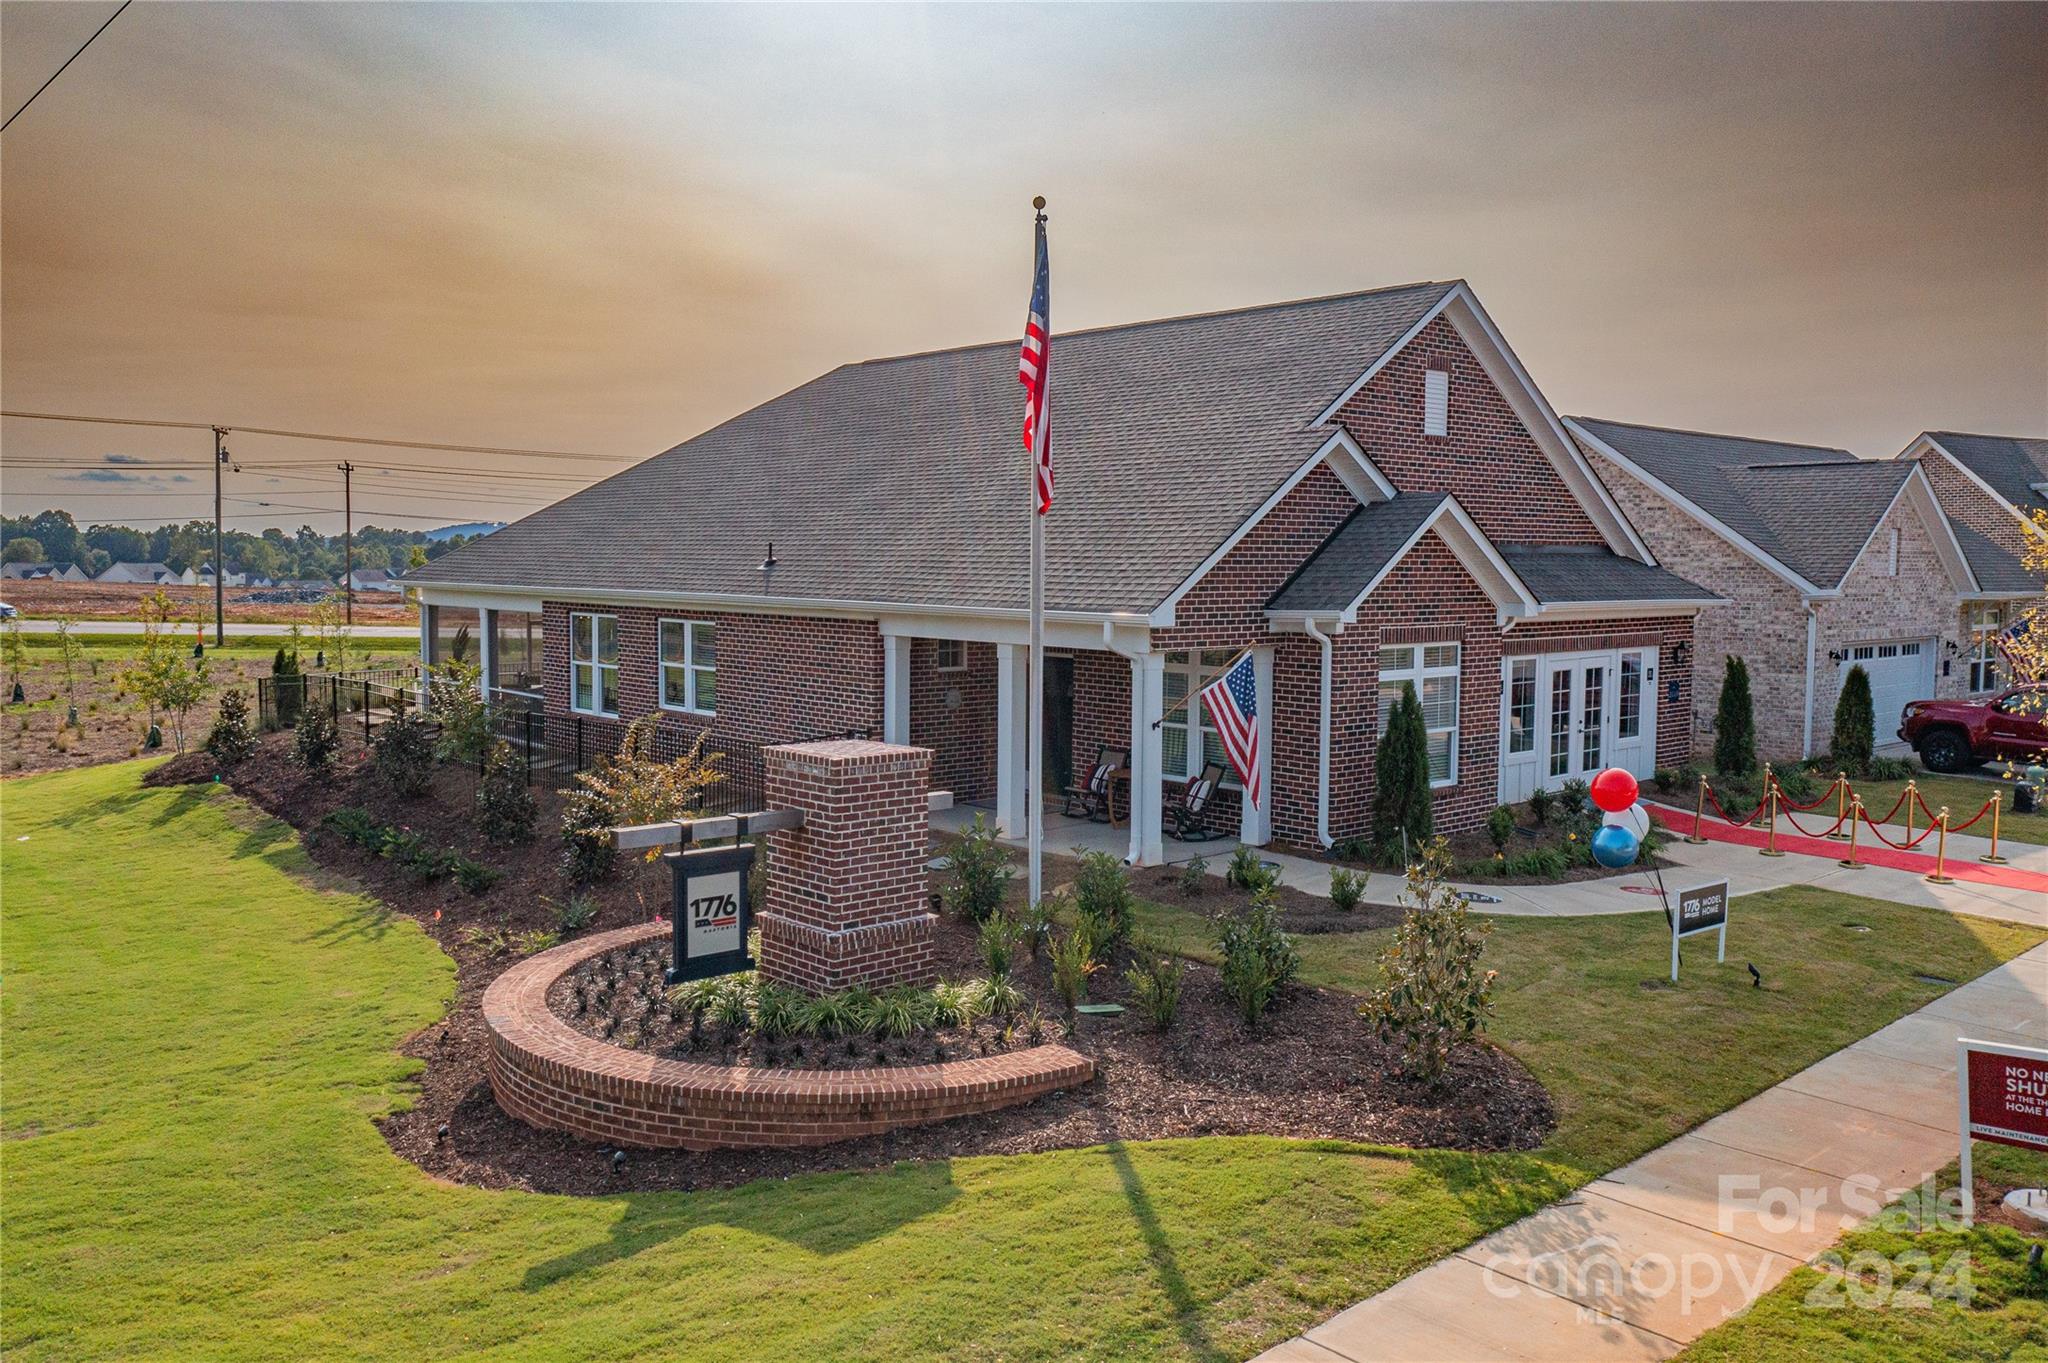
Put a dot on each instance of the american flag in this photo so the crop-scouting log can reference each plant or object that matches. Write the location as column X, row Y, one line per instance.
column 1232, row 701
column 2018, row 665
column 1034, row 371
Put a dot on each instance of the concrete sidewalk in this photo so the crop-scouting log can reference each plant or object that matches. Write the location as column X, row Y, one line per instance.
column 1639, row 1263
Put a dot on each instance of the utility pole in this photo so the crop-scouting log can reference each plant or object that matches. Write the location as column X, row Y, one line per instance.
column 348, row 541
column 220, row 567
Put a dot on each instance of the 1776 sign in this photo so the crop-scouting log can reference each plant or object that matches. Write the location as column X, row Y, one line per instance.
column 712, row 913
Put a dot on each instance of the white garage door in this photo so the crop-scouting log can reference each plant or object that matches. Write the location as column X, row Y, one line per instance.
column 1899, row 672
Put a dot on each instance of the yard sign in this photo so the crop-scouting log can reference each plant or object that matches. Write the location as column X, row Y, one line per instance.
column 1702, row 909
column 712, row 914
column 2002, row 1092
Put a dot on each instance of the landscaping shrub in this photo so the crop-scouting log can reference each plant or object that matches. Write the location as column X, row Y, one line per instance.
column 316, row 741
column 1103, row 899
column 1892, row 769
column 996, row 997
column 1155, row 977
column 631, row 786
column 455, row 694
column 1258, row 959
column 1347, row 889
column 1735, row 722
column 1400, row 801
column 997, row 943
column 1192, row 875
column 1801, row 785
column 1073, row 961
column 402, row 754
column 1433, row 996
column 1247, row 872
column 473, row 876
column 505, row 808
column 1575, row 797
column 779, row 1010
column 1035, row 924
column 978, row 873
column 1681, row 781
column 1543, row 863
column 1855, row 737
column 573, row 914
column 1541, row 802
column 1500, row 826
column 231, row 740
column 357, row 827
column 287, row 687
column 587, row 853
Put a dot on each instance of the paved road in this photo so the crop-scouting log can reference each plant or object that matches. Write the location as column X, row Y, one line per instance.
column 235, row 627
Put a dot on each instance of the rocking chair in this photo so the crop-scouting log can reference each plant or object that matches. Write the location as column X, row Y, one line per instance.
column 1194, row 800
column 1091, row 798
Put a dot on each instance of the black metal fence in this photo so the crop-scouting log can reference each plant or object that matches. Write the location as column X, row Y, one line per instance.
column 553, row 748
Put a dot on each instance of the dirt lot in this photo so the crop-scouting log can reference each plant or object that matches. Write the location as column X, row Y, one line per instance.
column 123, row 601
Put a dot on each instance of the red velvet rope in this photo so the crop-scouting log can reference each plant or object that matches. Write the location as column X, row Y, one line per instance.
column 1730, row 819
column 1959, row 827
column 1785, row 800
column 1840, row 819
column 1905, row 846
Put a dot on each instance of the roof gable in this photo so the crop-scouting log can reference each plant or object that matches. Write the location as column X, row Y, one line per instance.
column 2014, row 469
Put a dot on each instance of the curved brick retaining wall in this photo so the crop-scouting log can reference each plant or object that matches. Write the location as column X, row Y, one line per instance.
column 547, row 1074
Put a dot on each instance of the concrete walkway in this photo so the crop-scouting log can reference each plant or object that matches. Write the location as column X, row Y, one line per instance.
column 1745, row 871
column 1639, row 1263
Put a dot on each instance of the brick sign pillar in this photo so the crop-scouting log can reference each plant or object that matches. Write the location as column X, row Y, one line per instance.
column 847, row 892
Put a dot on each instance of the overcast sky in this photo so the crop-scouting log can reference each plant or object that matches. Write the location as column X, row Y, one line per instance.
column 605, row 228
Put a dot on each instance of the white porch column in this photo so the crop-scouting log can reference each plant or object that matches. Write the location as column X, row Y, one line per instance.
column 1013, row 737
column 1148, row 684
column 895, row 688
column 1255, row 828
column 486, row 655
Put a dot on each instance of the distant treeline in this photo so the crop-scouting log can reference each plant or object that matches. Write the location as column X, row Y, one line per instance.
column 54, row 537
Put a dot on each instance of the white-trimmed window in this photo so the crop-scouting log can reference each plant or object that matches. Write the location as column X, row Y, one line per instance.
column 1432, row 669
column 1629, row 717
column 1436, row 402
column 1522, row 705
column 952, row 655
column 594, row 663
column 1986, row 620
column 689, row 666
column 1187, row 740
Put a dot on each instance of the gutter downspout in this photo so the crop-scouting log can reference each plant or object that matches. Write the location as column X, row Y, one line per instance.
column 1323, row 738
column 1812, row 647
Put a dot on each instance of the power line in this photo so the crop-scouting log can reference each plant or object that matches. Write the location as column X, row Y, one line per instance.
column 511, row 451
column 60, row 70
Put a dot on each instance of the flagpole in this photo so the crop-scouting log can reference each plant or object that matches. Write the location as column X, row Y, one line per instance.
column 1034, row 762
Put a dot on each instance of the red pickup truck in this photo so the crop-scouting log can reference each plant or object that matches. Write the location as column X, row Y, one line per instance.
column 1956, row 735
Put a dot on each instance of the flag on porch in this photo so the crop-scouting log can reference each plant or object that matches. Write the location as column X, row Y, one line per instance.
column 1034, row 371
column 1232, row 703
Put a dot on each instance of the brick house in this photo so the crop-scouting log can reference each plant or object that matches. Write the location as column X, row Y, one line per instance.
column 1990, row 487
column 1366, row 490
column 1826, row 562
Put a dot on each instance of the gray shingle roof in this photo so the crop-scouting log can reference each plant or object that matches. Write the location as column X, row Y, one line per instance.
column 1997, row 568
column 2011, row 464
column 904, row 480
column 1567, row 574
column 1768, row 492
column 1355, row 552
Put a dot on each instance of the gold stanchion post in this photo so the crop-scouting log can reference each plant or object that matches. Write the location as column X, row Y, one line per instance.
column 1912, row 792
column 1841, row 804
column 1699, row 815
column 1770, row 847
column 1941, row 875
column 1855, row 816
column 1992, row 856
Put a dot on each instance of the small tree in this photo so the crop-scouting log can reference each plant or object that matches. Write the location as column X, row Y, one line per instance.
column 17, row 658
column 332, row 636
column 504, row 805
column 1855, row 739
column 1400, row 800
column 71, row 653
column 402, row 753
column 978, row 873
column 633, row 786
column 316, row 740
column 1735, row 722
column 1103, row 899
column 1258, row 959
column 1433, row 996
column 287, row 686
column 231, row 740
column 161, row 675
column 455, row 694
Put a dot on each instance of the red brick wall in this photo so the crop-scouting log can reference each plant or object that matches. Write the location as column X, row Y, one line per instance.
column 848, row 897
column 548, row 1075
column 780, row 677
column 954, row 714
column 1488, row 461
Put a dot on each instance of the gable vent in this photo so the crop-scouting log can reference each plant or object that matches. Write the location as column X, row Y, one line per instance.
column 1436, row 402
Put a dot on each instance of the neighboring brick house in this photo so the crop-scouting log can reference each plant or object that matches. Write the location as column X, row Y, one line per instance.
column 1993, row 488
column 1826, row 562
column 1363, row 490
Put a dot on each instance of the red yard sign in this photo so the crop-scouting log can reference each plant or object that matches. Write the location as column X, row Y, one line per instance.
column 2004, row 1098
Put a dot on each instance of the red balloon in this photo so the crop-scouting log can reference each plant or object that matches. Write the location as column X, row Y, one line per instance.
column 1614, row 790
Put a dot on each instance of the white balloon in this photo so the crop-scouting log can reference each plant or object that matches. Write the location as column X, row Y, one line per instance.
column 1635, row 819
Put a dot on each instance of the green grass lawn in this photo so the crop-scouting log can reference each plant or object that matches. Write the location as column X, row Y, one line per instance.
column 1813, row 1315
column 197, row 1034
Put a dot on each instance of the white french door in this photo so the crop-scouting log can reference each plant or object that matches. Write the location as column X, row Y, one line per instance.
column 1567, row 716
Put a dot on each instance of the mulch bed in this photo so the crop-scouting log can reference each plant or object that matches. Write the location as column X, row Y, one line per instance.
column 1314, row 1069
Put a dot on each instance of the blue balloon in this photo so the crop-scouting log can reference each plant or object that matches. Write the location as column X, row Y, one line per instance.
column 1615, row 846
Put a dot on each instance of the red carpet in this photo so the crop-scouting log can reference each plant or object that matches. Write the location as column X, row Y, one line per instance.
column 1868, row 850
